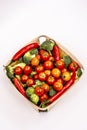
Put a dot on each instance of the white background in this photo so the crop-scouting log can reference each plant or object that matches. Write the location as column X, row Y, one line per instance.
column 64, row 21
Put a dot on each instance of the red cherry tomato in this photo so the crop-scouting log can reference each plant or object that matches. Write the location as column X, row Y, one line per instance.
column 30, row 82
column 48, row 64
column 43, row 97
column 73, row 66
column 46, row 87
column 60, row 64
column 39, row 91
column 50, row 80
column 24, row 78
column 64, row 70
column 35, row 76
column 42, row 76
column 41, row 51
column 45, row 56
column 57, row 86
column 39, row 68
column 18, row 70
column 27, row 69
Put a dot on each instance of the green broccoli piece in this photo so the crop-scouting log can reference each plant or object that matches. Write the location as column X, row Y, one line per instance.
column 78, row 73
column 27, row 57
column 37, row 83
column 67, row 60
column 9, row 72
column 29, row 91
column 32, row 74
column 47, row 45
column 34, row 51
column 52, row 92
column 10, row 69
column 34, row 98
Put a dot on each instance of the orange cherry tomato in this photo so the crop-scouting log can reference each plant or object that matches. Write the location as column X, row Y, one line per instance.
column 35, row 61
column 47, row 72
column 56, row 72
column 57, row 86
column 46, row 87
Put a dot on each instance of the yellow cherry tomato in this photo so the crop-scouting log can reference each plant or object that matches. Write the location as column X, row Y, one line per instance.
column 66, row 76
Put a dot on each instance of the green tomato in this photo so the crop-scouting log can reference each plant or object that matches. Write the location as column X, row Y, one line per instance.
column 34, row 98
column 29, row 91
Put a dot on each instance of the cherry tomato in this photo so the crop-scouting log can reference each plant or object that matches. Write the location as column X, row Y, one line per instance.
column 35, row 61
column 57, row 86
column 18, row 70
column 41, row 51
column 46, row 87
column 48, row 64
column 27, row 69
column 39, row 91
column 30, row 82
column 60, row 64
column 39, row 68
column 24, row 78
column 38, row 56
column 51, row 58
column 60, row 80
column 73, row 66
column 47, row 72
column 42, row 76
column 35, row 76
column 45, row 55
column 56, row 72
column 50, row 80
column 64, row 70
column 66, row 76
column 43, row 97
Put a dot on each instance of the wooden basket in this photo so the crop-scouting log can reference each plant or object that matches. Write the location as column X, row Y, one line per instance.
column 44, row 37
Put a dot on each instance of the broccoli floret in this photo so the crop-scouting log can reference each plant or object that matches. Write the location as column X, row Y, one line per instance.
column 29, row 91
column 34, row 51
column 78, row 73
column 27, row 57
column 67, row 60
column 37, row 83
column 9, row 72
column 47, row 45
column 22, row 65
column 32, row 74
column 34, row 98
column 52, row 92
column 10, row 69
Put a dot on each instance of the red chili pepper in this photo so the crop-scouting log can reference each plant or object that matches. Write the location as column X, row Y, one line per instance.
column 23, row 50
column 19, row 86
column 67, row 85
column 56, row 53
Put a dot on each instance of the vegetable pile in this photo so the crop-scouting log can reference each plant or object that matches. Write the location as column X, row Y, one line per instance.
column 42, row 73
